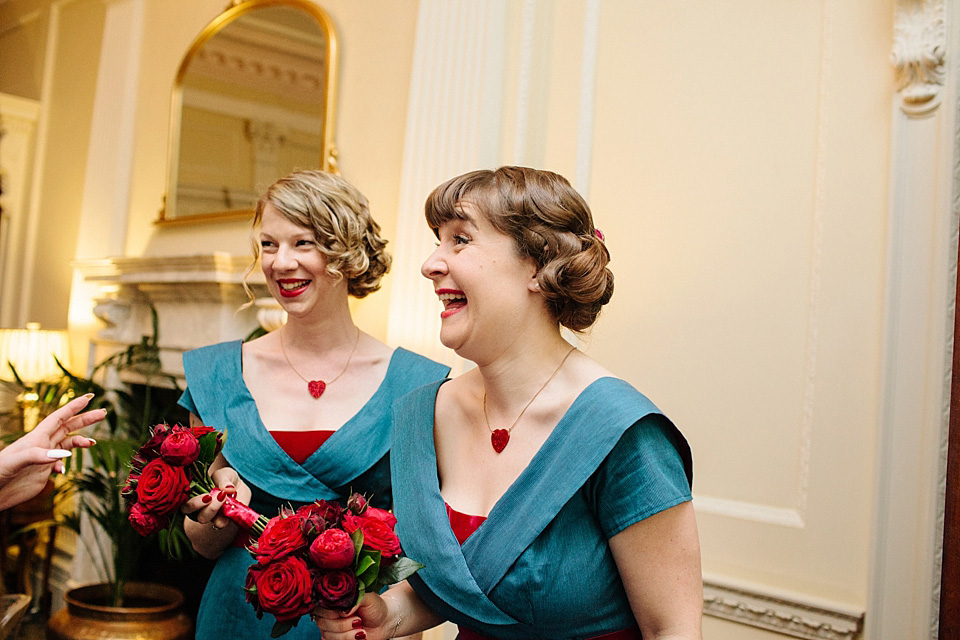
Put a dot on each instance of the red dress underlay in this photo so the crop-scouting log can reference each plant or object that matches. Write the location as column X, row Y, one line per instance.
column 463, row 524
column 300, row 445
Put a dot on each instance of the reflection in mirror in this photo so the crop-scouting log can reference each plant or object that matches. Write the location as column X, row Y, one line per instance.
column 253, row 101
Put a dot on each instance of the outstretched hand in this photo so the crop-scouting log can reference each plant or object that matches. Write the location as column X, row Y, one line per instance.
column 26, row 464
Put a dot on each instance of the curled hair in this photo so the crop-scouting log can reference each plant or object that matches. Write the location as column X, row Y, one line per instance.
column 339, row 216
column 549, row 223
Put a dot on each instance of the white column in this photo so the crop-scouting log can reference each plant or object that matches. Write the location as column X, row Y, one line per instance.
column 453, row 126
column 105, row 207
column 918, row 325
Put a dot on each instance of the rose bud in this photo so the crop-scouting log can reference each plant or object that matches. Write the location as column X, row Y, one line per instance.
column 332, row 549
column 180, row 448
column 356, row 503
column 129, row 491
column 201, row 430
column 145, row 522
column 158, row 433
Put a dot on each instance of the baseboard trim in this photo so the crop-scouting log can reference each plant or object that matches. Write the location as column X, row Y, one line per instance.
column 793, row 615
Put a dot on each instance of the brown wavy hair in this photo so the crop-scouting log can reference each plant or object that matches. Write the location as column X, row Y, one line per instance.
column 549, row 223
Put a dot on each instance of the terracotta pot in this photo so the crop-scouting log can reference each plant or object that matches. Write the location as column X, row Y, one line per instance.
column 152, row 612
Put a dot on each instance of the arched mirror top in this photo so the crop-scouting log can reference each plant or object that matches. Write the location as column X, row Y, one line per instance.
column 252, row 101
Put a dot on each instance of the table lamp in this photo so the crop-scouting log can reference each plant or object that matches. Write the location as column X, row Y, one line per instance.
column 33, row 352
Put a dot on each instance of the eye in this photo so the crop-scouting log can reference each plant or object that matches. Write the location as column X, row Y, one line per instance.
column 461, row 239
column 266, row 244
column 305, row 243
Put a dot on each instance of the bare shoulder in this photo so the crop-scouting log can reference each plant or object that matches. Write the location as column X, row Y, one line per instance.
column 456, row 395
column 584, row 370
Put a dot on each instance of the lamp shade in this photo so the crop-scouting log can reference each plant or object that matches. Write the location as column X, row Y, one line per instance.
column 31, row 351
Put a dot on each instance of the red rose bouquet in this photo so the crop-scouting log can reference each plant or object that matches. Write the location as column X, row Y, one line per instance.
column 172, row 467
column 323, row 556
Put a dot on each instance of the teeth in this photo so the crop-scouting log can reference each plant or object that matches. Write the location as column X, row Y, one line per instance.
column 444, row 297
column 291, row 286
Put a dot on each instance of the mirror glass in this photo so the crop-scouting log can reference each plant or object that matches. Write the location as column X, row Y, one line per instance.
column 253, row 101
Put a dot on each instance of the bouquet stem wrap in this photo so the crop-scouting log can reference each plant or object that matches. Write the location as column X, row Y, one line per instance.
column 243, row 516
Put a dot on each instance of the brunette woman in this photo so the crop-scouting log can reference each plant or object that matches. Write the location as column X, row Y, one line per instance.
column 306, row 407
column 546, row 497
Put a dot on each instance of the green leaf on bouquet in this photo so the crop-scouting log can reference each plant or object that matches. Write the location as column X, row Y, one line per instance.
column 208, row 447
column 280, row 628
column 361, row 591
column 357, row 537
column 399, row 571
column 368, row 568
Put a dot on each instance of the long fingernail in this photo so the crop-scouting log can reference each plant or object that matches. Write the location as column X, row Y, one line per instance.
column 221, row 496
column 207, row 499
column 92, row 441
column 358, row 623
column 87, row 395
column 361, row 635
column 56, row 454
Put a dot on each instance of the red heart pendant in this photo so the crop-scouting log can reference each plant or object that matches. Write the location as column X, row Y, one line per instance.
column 499, row 439
column 316, row 388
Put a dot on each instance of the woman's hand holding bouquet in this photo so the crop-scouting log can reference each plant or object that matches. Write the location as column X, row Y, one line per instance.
column 173, row 470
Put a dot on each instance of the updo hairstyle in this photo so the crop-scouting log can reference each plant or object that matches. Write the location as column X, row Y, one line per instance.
column 549, row 223
column 339, row 216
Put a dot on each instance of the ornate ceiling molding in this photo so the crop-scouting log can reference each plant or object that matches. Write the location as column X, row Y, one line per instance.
column 919, row 54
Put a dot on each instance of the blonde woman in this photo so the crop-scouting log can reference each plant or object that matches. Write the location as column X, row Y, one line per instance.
column 307, row 407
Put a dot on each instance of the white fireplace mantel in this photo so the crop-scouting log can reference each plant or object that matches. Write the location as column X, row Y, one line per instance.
column 197, row 298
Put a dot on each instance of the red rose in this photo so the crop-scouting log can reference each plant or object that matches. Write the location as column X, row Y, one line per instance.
column 159, row 433
column 180, row 448
column 145, row 522
column 319, row 515
column 382, row 515
column 336, row 589
column 201, row 430
column 283, row 588
column 162, row 488
column 281, row 537
column 377, row 534
column 332, row 549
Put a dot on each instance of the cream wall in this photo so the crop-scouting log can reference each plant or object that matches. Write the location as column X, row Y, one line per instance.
column 736, row 155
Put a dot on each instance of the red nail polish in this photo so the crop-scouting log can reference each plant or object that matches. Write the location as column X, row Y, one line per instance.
column 207, row 499
column 361, row 635
column 357, row 623
column 221, row 496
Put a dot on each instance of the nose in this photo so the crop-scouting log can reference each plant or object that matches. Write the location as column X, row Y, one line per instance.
column 434, row 266
column 284, row 259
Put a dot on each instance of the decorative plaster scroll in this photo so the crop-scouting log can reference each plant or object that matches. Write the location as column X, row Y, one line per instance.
column 786, row 614
column 919, row 54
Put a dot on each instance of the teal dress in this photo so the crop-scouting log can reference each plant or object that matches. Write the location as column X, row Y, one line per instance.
column 354, row 458
column 540, row 566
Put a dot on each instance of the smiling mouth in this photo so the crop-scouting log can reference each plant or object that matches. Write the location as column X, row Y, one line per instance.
column 290, row 288
column 452, row 301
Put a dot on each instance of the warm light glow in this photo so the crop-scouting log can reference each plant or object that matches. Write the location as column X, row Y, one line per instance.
column 32, row 352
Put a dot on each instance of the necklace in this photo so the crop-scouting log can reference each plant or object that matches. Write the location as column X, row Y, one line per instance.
column 500, row 438
column 317, row 387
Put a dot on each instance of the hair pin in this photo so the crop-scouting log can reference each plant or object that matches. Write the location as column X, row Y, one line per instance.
column 599, row 234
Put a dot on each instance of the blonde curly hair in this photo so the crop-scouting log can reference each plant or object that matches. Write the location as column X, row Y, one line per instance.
column 339, row 216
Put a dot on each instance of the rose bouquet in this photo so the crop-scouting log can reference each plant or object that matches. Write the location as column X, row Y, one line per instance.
column 323, row 556
column 172, row 467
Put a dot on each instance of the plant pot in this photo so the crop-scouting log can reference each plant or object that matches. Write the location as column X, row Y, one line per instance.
column 152, row 612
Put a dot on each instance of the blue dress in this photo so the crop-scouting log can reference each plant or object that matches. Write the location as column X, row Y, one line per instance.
column 540, row 566
column 354, row 458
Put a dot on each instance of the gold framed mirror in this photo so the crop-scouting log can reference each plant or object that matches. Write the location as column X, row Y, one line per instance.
column 253, row 100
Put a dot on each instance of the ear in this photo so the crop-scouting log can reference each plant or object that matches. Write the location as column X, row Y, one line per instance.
column 533, row 284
